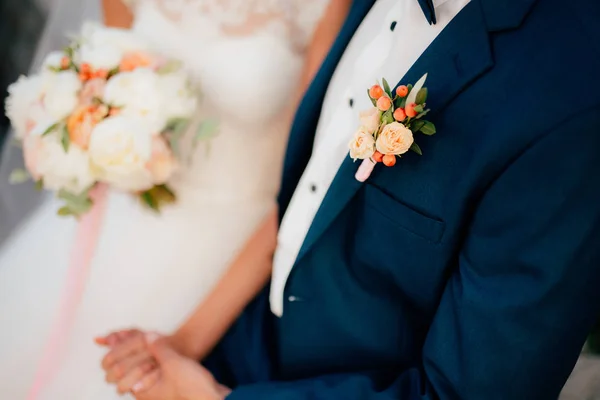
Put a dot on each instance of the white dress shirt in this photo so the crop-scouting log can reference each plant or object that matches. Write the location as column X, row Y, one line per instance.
column 376, row 51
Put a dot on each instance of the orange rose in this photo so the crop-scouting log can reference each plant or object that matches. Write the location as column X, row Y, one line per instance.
column 81, row 123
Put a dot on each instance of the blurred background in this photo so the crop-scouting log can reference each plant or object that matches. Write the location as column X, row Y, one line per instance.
column 29, row 29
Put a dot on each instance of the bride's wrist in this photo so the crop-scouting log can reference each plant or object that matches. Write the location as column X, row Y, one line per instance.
column 183, row 343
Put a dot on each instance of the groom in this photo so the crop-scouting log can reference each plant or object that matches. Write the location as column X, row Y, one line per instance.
column 470, row 272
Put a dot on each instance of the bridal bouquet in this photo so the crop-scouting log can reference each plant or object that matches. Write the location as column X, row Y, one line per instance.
column 106, row 110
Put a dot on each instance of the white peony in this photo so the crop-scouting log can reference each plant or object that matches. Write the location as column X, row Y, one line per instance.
column 120, row 149
column 105, row 57
column 53, row 60
column 61, row 93
column 177, row 97
column 140, row 96
column 103, row 48
column 22, row 95
column 46, row 159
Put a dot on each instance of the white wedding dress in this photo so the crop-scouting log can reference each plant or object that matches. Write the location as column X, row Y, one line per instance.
column 150, row 270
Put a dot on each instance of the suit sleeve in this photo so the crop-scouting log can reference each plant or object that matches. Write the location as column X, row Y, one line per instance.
column 517, row 309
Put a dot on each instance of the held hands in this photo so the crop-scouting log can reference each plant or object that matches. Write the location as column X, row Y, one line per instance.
column 149, row 367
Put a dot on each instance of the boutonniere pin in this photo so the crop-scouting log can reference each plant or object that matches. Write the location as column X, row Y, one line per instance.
column 388, row 128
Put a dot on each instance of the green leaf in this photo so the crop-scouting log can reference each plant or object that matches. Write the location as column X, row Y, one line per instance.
column 409, row 86
column 19, row 176
column 415, row 147
column 51, row 129
column 78, row 204
column 149, row 200
column 39, row 185
column 421, row 96
column 424, row 113
column 207, row 129
column 387, row 117
column 428, row 128
column 177, row 125
column 372, row 99
column 113, row 72
column 52, row 68
column 64, row 139
column 65, row 212
column 419, row 108
column 416, row 126
column 169, row 67
column 386, row 88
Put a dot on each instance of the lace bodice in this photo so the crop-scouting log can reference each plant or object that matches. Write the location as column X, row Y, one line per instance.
column 295, row 19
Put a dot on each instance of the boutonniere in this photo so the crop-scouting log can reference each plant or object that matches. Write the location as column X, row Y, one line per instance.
column 388, row 128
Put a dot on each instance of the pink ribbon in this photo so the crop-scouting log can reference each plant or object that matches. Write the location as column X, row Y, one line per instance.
column 364, row 170
column 86, row 239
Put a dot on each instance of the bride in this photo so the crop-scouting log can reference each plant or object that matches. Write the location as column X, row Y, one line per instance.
column 253, row 59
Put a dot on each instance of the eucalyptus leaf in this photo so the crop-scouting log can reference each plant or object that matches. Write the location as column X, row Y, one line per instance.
column 421, row 96
column 415, row 147
column 19, row 176
column 65, row 140
column 386, row 88
column 428, row 128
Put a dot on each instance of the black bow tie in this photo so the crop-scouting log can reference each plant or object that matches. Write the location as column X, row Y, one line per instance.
column 428, row 10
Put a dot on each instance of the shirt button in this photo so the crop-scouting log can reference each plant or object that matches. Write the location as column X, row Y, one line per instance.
column 351, row 102
column 393, row 26
column 313, row 188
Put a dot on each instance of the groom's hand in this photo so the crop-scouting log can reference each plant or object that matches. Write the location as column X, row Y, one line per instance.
column 177, row 378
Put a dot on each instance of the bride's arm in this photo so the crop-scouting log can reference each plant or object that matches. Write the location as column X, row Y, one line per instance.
column 116, row 14
column 246, row 276
column 322, row 39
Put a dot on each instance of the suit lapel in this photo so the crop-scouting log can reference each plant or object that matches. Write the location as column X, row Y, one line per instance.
column 303, row 129
column 457, row 57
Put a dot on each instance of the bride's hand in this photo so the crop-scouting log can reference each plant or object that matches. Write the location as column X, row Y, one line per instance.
column 129, row 359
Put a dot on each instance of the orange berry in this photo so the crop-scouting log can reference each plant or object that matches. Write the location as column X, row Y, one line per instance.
column 114, row 111
column 84, row 76
column 399, row 114
column 86, row 68
column 101, row 73
column 375, row 92
column 65, row 62
column 402, row 91
column 389, row 160
column 410, row 110
column 384, row 103
column 377, row 156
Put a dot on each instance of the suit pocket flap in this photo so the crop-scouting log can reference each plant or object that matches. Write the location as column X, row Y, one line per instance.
column 400, row 214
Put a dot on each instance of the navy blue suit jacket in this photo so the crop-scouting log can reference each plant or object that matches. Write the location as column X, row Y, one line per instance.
column 473, row 271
